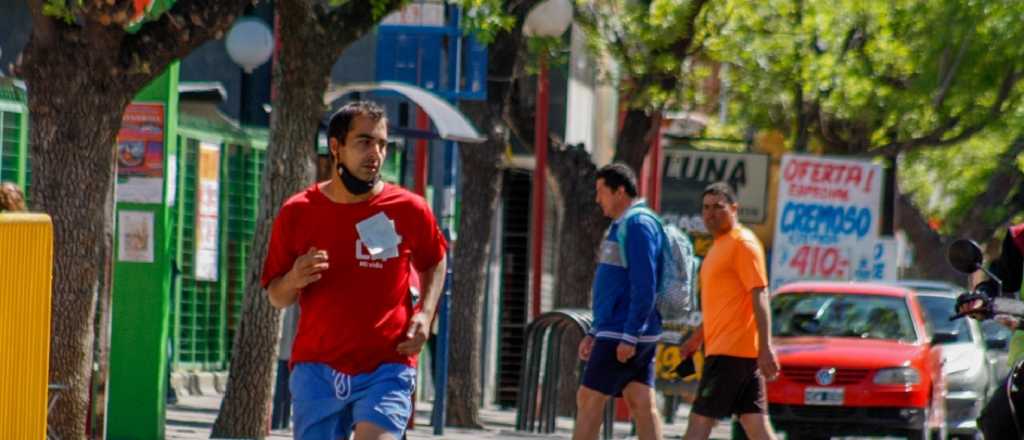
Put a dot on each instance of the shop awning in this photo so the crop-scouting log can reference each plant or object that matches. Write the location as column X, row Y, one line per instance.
column 451, row 124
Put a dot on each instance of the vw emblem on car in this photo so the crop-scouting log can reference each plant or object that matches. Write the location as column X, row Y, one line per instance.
column 825, row 376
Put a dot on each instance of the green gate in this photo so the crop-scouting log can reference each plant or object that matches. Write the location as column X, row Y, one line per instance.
column 14, row 158
column 205, row 314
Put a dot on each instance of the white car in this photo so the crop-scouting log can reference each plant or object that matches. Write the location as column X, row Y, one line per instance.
column 969, row 372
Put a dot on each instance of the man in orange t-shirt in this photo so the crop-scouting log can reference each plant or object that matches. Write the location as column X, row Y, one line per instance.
column 737, row 324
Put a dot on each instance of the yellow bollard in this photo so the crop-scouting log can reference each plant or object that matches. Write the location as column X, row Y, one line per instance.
column 26, row 274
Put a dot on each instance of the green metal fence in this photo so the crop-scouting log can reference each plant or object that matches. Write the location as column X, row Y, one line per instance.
column 14, row 157
column 205, row 314
column 245, row 166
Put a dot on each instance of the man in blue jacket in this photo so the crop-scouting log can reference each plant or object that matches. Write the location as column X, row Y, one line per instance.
column 619, row 351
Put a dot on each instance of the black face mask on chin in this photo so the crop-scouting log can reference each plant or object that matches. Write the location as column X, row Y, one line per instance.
column 353, row 184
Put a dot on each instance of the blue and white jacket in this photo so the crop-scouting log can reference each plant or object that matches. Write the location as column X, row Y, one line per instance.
column 624, row 294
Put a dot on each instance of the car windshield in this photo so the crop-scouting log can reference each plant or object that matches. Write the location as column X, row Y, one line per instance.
column 937, row 311
column 842, row 315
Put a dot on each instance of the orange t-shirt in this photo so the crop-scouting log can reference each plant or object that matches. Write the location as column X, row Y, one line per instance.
column 732, row 268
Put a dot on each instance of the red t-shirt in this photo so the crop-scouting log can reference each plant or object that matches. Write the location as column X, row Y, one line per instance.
column 357, row 313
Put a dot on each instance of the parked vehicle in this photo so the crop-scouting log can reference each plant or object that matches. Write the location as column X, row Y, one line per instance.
column 856, row 360
column 995, row 336
column 969, row 374
column 1002, row 417
column 997, row 341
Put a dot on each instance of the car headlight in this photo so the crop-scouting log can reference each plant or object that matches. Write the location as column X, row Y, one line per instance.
column 898, row 376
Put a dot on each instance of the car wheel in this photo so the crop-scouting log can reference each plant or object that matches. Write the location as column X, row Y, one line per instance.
column 797, row 435
column 926, row 434
column 806, row 437
column 917, row 434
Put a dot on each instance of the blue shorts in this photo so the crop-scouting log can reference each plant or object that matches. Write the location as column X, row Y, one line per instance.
column 605, row 374
column 328, row 404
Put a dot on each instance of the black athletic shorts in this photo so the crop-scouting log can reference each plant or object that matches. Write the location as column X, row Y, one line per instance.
column 730, row 385
column 605, row 374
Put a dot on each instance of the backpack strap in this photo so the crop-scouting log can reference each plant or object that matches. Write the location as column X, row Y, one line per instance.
column 620, row 233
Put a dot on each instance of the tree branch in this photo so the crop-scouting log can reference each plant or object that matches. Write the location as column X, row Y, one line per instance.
column 42, row 26
column 188, row 24
column 934, row 138
column 949, row 75
column 1005, row 179
column 352, row 20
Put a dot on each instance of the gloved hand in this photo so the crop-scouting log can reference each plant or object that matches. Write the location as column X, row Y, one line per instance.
column 974, row 304
column 988, row 287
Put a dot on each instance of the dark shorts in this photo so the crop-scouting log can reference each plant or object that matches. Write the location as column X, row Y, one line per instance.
column 730, row 385
column 605, row 374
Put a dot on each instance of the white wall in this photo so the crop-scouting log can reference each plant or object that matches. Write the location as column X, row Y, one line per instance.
column 591, row 102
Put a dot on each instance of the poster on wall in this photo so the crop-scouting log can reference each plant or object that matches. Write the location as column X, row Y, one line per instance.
column 172, row 179
column 135, row 236
column 140, row 154
column 687, row 172
column 827, row 221
column 207, row 212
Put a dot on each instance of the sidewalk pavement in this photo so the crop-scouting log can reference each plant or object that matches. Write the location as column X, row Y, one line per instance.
column 192, row 418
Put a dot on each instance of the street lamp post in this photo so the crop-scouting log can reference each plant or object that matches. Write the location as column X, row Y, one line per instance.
column 548, row 19
column 249, row 43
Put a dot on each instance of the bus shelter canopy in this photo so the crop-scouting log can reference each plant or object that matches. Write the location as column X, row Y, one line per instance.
column 451, row 124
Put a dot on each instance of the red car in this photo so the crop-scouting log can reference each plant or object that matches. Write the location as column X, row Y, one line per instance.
column 856, row 360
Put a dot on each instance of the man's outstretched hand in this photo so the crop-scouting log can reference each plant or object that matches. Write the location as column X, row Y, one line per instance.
column 416, row 335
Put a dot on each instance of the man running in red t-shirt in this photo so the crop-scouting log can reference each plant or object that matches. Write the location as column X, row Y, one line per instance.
column 342, row 249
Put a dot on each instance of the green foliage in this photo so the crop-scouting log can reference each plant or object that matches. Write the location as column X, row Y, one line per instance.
column 69, row 11
column 551, row 49
column 944, row 182
column 647, row 39
column 60, row 9
column 485, row 19
column 894, row 69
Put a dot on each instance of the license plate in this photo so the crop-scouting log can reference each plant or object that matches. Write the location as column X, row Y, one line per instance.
column 823, row 396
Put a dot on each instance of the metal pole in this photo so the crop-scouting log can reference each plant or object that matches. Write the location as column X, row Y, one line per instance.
column 441, row 375
column 540, row 145
column 654, row 192
column 420, row 181
column 444, row 210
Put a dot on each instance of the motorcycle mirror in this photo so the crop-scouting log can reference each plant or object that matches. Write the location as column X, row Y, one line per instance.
column 964, row 255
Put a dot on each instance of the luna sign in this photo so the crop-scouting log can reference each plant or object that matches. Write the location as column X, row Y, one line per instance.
column 827, row 225
column 687, row 172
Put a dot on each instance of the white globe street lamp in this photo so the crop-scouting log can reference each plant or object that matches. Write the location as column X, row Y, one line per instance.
column 548, row 19
column 249, row 43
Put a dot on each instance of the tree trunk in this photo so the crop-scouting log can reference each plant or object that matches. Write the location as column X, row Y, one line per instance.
column 80, row 77
column 481, row 182
column 300, row 76
column 1000, row 201
column 481, row 179
column 72, row 140
column 574, row 174
column 310, row 43
column 98, row 384
column 638, row 130
column 991, row 210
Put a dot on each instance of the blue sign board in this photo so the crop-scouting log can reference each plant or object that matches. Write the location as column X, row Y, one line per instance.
column 438, row 58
